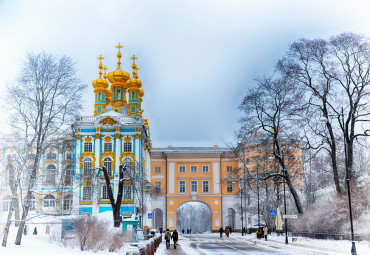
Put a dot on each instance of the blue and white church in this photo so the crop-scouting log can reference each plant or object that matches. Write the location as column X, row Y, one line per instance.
column 114, row 134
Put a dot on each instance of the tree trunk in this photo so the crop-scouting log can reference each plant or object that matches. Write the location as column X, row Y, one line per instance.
column 295, row 194
column 116, row 216
column 10, row 213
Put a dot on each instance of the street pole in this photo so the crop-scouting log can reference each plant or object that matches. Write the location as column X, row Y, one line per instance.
column 258, row 205
column 286, row 224
column 353, row 249
column 241, row 210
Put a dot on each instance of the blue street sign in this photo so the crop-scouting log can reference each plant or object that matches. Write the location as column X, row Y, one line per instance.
column 150, row 215
column 272, row 212
column 136, row 218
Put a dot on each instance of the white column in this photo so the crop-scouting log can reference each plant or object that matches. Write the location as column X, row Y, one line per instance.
column 216, row 178
column 172, row 178
column 97, row 152
column 118, row 154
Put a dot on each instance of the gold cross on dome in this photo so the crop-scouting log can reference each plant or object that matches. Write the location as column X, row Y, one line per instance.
column 119, row 46
column 100, row 58
column 105, row 68
column 134, row 58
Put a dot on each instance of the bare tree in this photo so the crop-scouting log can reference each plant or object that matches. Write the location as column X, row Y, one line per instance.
column 270, row 108
column 335, row 74
column 44, row 99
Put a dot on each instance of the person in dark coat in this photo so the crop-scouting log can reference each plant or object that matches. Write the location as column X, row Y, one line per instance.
column 183, row 231
column 167, row 237
column 161, row 230
column 221, row 230
column 35, row 231
column 175, row 237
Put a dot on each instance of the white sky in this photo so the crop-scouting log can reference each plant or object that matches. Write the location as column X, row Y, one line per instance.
column 197, row 59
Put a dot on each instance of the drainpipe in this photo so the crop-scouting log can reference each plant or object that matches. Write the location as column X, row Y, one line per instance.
column 222, row 216
column 165, row 155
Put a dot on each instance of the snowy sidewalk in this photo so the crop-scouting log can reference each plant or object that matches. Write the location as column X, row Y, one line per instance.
column 305, row 245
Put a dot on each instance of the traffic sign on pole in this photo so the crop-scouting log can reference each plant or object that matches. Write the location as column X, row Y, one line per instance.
column 272, row 212
column 150, row 215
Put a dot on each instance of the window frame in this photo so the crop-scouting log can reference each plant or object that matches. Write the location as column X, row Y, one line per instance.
column 86, row 162
column 158, row 188
column 105, row 147
column 203, row 186
column 156, row 170
column 229, row 169
column 126, row 146
column 229, row 187
column 84, row 191
column 180, row 171
column 191, row 169
column 127, row 189
column 182, row 186
column 192, row 182
column 89, row 146
column 207, row 167
column 104, row 192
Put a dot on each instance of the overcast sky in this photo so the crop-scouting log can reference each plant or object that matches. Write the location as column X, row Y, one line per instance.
column 197, row 59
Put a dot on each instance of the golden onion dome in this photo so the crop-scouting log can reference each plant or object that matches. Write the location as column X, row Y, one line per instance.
column 134, row 82
column 100, row 82
column 118, row 76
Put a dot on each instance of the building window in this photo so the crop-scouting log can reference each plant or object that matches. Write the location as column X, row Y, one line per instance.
column 86, row 193
column 205, row 186
column 104, row 192
column 182, row 187
column 118, row 94
column 69, row 155
column 27, row 175
column 158, row 187
column 49, row 201
column 51, row 156
column 108, row 166
column 127, row 146
column 193, row 169
column 108, row 147
column 247, row 161
column 229, row 186
column 33, row 203
column 182, row 169
column 157, row 169
column 31, row 156
column 67, row 202
column 87, row 167
column 229, row 169
column 88, row 147
column 6, row 203
column 205, row 169
column 127, row 192
column 50, row 174
column 68, row 177
column 194, row 186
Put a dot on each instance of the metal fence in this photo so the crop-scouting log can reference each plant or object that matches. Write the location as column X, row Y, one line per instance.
column 330, row 236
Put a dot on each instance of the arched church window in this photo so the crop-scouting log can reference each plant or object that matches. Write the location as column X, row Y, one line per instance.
column 49, row 201
column 87, row 167
column 127, row 146
column 108, row 165
column 50, row 174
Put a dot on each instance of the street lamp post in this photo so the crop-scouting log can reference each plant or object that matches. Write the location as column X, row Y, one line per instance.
column 241, row 209
column 325, row 120
column 258, row 206
column 286, row 223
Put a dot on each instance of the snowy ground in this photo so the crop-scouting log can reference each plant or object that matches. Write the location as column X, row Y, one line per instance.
column 301, row 246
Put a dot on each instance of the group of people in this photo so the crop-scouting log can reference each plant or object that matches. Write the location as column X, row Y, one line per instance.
column 168, row 237
column 228, row 231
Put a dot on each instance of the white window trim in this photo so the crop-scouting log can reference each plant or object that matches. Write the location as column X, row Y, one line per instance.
column 191, row 186
column 209, row 188
column 196, row 169
column 184, row 187
column 184, row 169
column 207, row 168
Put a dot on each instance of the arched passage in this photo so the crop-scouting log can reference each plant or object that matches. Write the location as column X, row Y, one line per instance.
column 194, row 215
column 157, row 218
column 231, row 218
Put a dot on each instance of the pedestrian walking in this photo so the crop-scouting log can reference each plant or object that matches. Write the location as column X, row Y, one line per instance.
column 221, row 230
column 190, row 231
column 161, row 229
column 265, row 232
column 35, row 231
column 183, row 231
column 167, row 237
column 187, row 231
column 227, row 231
column 175, row 237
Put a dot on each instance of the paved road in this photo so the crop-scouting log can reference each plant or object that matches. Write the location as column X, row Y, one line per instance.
column 208, row 245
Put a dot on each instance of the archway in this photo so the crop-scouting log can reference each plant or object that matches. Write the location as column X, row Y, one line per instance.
column 195, row 216
column 157, row 218
column 231, row 218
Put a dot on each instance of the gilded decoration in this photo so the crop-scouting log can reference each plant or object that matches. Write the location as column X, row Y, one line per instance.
column 87, row 183
column 118, row 136
column 108, row 121
column 137, row 136
column 127, row 139
column 104, row 201
column 127, row 201
column 117, row 129
column 97, row 136
column 108, row 139
column 127, row 183
column 98, row 129
column 78, row 130
column 88, row 139
column 78, row 137
column 86, row 202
